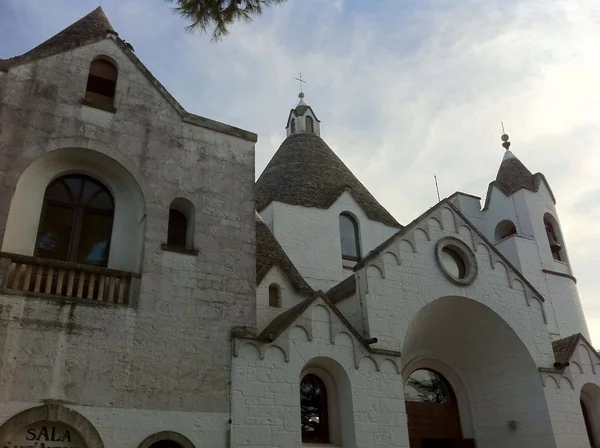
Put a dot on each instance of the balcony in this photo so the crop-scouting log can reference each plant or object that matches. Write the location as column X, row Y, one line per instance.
column 39, row 277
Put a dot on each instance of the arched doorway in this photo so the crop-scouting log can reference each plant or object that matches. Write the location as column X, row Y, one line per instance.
column 166, row 444
column 496, row 384
column 166, row 439
column 432, row 410
column 49, row 425
column 590, row 408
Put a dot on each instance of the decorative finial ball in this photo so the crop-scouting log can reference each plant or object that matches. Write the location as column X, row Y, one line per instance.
column 301, row 95
column 504, row 137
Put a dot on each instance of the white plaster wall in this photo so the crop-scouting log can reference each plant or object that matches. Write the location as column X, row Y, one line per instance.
column 351, row 309
column 301, row 123
column 311, row 238
column 266, row 382
column 289, row 297
column 127, row 428
column 394, row 292
column 527, row 209
column 563, row 394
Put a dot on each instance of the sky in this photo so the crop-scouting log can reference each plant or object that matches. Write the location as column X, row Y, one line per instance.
column 404, row 89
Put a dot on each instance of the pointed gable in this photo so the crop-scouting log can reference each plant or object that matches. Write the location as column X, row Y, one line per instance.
column 269, row 253
column 305, row 171
column 513, row 176
column 92, row 27
column 284, row 320
column 372, row 256
column 565, row 348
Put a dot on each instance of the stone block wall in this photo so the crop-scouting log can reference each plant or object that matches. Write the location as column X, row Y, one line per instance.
column 168, row 352
column 365, row 391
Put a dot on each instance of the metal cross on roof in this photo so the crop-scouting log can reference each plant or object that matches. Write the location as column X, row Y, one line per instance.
column 301, row 81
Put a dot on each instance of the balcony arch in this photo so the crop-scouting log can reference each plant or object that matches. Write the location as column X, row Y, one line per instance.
column 127, row 234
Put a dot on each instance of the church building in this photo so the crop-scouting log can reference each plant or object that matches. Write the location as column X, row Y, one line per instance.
column 153, row 294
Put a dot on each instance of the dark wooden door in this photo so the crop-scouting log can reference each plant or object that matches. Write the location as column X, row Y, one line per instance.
column 435, row 425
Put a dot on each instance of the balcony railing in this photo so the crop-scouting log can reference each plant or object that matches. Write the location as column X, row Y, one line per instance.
column 21, row 274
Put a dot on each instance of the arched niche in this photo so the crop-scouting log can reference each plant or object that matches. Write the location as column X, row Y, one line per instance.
column 339, row 399
column 166, row 439
column 590, row 409
column 555, row 239
column 181, row 225
column 102, row 81
column 50, row 423
column 127, row 236
column 504, row 229
column 492, row 371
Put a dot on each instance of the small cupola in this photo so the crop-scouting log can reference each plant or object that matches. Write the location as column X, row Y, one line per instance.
column 303, row 119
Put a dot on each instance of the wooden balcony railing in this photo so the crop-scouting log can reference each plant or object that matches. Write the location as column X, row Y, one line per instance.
column 59, row 279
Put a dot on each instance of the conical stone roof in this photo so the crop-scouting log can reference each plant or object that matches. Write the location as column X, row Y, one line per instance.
column 513, row 175
column 305, row 171
column 93, row 26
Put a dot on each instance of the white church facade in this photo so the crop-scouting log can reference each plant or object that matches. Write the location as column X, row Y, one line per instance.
column 154, row 295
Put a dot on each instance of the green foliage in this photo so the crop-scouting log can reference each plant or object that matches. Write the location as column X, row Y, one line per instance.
column 215, row 16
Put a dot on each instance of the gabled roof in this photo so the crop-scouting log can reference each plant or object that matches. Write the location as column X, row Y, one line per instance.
column 305, row 171
column 342, row 290
column 92, row 27
column 565, row 348
column 95, row 27
column 299, row 110
column 379, row 249
column 269, row 253
column 278, row 325
column 513, row 176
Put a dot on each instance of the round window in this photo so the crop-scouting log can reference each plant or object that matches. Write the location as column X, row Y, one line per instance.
column 456, row 260
column 453, row 263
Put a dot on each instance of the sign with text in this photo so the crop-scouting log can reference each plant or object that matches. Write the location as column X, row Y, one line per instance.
column 45, row 435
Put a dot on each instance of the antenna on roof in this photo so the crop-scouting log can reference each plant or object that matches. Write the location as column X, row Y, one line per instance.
column 436, row 187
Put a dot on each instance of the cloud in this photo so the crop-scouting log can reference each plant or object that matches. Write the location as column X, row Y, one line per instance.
column 405, row 90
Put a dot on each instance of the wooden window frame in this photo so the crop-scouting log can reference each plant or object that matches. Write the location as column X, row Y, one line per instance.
column 78, row 216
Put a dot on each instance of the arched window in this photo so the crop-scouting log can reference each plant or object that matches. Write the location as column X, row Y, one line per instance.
column 102, row 82
column 76, row 221
column 181, row 224
column 165, row 444
column 313, row 409
column 554, row 239
column 293, row 125
column 310, row 126
column 431, row 408
column 274, row 295
column 349, row 238
column 504, row 229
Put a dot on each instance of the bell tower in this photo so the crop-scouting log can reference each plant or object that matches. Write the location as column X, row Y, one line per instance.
column 302, row 118
column 520, row 218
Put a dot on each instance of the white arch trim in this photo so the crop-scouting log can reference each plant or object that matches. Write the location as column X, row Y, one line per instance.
column 127, row 237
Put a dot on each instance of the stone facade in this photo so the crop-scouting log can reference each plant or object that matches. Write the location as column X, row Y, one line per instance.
column 188, row 347
column 163, row 362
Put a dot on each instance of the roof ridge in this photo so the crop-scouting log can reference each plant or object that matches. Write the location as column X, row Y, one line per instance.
column 269, row 253
column 93, row 25
column 282, row 321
